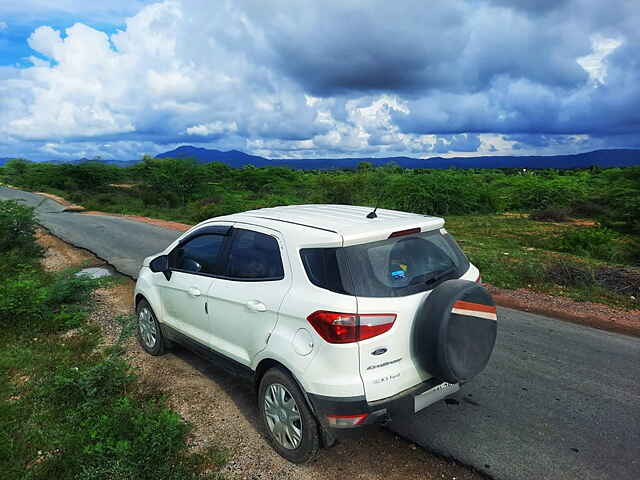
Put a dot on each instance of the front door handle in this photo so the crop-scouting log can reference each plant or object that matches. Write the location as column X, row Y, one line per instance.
column 193, row 292
column 256, row 306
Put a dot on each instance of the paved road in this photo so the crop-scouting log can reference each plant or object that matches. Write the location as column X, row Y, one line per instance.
column 122, row 243
column 557, row 401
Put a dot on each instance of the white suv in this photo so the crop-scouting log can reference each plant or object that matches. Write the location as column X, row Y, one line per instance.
column 342, row 316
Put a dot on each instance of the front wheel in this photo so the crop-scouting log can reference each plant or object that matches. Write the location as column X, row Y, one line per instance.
column 289, row 424
column 148, row 331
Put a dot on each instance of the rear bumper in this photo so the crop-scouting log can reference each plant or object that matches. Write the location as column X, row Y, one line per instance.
column 380, row 411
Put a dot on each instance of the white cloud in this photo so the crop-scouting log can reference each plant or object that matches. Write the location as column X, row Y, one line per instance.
column 594, row 63
column 3, row 26
column 213, row 128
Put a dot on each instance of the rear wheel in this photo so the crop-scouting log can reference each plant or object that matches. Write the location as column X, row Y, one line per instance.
column 287, row 421
column 148, row 332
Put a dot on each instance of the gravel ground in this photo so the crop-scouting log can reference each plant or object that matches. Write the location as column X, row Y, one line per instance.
column 223, row 413
column 584, row 313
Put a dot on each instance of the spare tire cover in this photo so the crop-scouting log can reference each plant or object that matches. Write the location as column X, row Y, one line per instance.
column 455, row 330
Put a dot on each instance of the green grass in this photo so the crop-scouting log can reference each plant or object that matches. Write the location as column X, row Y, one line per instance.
column 69, row 408
column 513, row 251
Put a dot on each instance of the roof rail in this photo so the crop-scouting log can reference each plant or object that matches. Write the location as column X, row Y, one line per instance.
column 293, row 223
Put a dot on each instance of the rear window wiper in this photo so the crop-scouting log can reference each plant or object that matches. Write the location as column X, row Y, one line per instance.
column 433, row 276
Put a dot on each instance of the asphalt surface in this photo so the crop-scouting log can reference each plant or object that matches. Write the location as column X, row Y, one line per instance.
column 122, row 243
column 557, row 401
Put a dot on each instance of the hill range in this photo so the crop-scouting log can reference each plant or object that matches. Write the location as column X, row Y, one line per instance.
column 238, row 159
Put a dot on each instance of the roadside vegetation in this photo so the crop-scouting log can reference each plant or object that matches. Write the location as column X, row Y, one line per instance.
column 574, row 233
column 71, row 408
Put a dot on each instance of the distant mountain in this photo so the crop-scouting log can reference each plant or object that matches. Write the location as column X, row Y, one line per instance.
column 234, row 158
column 237, row 159
column 4, row 160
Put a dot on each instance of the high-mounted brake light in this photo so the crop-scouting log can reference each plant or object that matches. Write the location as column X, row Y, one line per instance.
column 400, row 233
column 337, row 327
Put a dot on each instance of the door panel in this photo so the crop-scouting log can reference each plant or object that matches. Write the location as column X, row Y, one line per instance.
column 245, row 309
column 185, row 295
column 184, row 298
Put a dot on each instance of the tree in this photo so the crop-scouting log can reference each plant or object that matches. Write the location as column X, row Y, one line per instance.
column 171, row 180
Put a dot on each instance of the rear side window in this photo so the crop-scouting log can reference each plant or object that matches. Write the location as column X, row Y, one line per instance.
column 254, row 256
column 198, row 255
column 394, row 267
column 321, row 265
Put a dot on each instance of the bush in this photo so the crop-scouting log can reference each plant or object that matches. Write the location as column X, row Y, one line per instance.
column 596, row 242
column 588, row 209
column 33, row 300
column 570, row 274
column 552, row 214
column 104, row 430
column 623, row 281
column 17, row 226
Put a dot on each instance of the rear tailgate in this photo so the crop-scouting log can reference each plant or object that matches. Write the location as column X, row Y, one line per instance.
column 386, row 364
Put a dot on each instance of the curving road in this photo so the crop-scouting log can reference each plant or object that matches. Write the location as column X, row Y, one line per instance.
column 557, row 401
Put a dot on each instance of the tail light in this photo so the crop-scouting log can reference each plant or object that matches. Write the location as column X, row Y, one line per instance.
column 337, row 327
column 479, row 279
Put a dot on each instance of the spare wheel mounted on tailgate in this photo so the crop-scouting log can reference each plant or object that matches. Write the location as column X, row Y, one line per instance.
column 455, row 331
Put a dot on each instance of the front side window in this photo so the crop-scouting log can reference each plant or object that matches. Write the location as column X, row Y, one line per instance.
column 254, row 256
column 198, row 255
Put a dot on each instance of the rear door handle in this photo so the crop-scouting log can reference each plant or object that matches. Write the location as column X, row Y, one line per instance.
column 256, row 306
column 193, row 292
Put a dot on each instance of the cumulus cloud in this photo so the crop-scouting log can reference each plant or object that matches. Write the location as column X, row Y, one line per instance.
column 338, row 78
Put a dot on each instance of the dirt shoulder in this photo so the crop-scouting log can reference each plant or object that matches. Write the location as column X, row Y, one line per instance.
column 181, row 227
column 595, row 315
column 222, row 408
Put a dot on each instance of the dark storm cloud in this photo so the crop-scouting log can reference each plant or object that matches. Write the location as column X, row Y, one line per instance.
column 484, row 67
column 416, row 46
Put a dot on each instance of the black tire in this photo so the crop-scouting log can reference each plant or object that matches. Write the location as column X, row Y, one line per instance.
column 309, row 445
column 455, row 331
column 149, row 325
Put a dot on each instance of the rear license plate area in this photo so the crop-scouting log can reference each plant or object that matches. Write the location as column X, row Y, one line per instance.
column 434, row 394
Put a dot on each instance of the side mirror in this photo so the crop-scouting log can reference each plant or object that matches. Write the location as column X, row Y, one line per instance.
column 161, row 264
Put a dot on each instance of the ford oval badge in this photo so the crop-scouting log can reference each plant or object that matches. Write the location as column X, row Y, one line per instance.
column 379, row 351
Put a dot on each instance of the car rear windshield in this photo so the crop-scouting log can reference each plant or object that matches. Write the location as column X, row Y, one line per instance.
column 395, row 267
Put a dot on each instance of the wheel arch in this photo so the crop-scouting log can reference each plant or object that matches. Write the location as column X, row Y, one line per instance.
column 138, row 298
column 326, row 435
column 265, row 365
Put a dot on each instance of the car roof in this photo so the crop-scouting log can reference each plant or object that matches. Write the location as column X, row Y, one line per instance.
column 348, row 221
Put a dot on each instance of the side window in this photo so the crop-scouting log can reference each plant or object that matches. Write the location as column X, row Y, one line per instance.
column 254, row 255
column 198, row 255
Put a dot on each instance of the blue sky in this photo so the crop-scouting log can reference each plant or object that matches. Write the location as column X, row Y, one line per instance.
column 318, row 79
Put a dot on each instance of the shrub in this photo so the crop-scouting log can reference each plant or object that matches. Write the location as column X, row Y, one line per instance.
column 104, row 431
column 33, row 300
column 621, row 280
column 17, row 226
column 570, row 274
column 551, row 214
column 589, row 209
column 596, row 242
